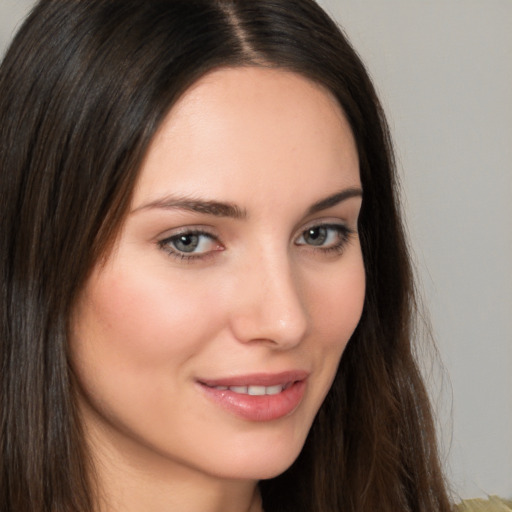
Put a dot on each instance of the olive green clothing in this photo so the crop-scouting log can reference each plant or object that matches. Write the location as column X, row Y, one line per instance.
column 493, row 504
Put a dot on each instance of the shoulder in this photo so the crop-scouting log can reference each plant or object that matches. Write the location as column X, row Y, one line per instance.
column 493, row 504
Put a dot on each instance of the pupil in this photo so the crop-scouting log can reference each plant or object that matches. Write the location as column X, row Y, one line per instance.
column 316, row 236
column 187, row 243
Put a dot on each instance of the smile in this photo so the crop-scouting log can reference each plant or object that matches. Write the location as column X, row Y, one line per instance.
column 258, row 397
column 255, row 390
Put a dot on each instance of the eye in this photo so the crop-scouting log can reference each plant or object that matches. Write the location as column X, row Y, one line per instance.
column 326, row 237
column 190, row 244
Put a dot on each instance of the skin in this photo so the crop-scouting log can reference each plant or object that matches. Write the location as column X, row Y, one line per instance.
column 258, row 296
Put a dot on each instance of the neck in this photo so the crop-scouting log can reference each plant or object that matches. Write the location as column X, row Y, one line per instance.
column 140, row 492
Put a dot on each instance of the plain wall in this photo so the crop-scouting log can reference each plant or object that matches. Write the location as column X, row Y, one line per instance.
column 11, row 13
column 444, row 72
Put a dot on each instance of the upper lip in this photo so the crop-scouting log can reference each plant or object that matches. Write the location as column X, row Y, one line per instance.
column 258, row 379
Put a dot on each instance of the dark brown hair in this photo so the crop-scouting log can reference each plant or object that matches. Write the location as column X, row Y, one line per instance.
column 83, row 88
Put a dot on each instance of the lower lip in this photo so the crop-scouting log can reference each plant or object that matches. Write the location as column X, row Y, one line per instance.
column 258, row 408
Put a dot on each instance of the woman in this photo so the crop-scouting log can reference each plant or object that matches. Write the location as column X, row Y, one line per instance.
column 185, row 256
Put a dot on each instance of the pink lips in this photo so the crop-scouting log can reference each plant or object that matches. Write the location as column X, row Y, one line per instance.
column 258, row 397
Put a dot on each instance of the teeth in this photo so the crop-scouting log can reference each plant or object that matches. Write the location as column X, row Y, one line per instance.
column 239, row 389
column 255, row 390
column 274, row 390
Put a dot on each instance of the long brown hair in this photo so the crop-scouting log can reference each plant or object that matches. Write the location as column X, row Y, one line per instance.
column 83, row 88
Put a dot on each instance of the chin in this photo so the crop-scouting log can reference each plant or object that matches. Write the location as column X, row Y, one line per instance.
column 262, row 460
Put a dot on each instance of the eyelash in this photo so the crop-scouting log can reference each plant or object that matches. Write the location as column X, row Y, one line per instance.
column 166, row 245
column 342, row 233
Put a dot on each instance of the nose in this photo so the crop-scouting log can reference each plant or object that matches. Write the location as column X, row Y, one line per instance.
column 270, row 303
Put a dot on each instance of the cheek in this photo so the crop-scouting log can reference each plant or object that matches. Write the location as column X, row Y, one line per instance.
column 337, row 301
column 134, row 336
column 140, row 317
column 337, row 304
column 133, row 342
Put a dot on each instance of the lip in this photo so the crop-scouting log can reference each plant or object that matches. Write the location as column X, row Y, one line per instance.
column 261, row 407
column 257, row 379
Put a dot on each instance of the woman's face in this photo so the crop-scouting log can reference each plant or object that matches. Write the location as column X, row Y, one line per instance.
column 211, row 334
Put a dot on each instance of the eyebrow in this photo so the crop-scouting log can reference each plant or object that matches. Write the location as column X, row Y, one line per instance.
column 214, row 208
column 220, row 209
column 335, row 199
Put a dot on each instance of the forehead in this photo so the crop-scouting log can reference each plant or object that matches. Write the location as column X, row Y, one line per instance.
column 250, row 126
column 258, row 85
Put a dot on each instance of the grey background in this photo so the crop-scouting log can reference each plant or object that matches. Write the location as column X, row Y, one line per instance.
column 444, row 71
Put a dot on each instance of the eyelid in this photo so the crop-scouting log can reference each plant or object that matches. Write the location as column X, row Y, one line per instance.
column 328, row 222
column 192, row 229
column 344, row 234
column 326, row 225
column 164, row 242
